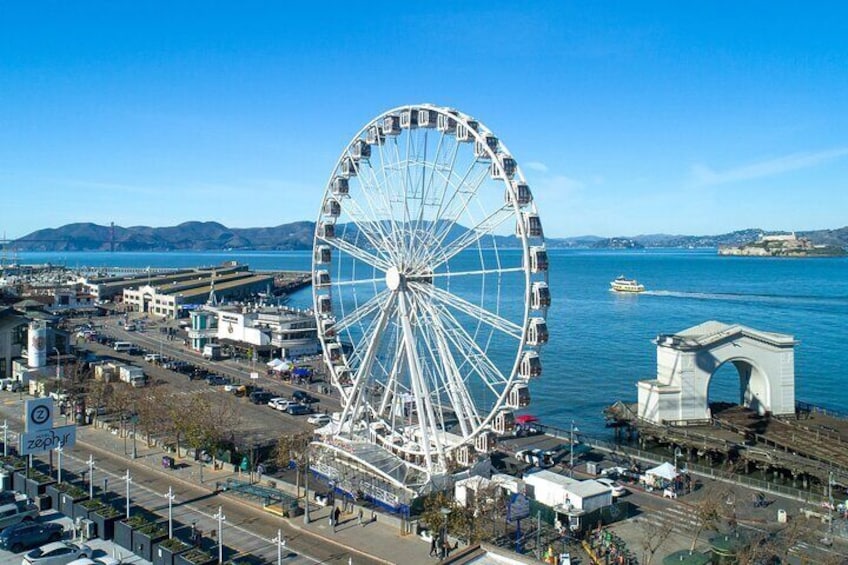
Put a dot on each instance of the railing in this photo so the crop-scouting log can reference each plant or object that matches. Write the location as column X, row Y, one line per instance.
column 807, row 496
column 808, row 407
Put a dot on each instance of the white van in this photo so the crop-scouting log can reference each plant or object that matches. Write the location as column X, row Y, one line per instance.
column 122, row 346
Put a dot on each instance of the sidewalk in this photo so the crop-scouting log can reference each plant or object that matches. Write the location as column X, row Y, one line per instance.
column 375, row 540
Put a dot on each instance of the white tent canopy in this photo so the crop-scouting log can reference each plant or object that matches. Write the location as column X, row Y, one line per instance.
column 665, row 471
column 279, row 365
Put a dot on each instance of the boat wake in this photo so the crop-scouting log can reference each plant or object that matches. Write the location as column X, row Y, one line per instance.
column 752, row 297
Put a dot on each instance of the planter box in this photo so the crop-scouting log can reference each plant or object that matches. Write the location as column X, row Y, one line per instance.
column 194, row 557
column 105, row 520
column 123, row 535
column 55, row 497
column 34, row 488
column 163, row 555
column 67, row 502
column 19, row 480
column 83, row 509
column 144, row 540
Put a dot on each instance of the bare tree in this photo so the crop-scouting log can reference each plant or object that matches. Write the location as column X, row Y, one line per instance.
column 652, row 536
column 709, row 510
column 293, row 448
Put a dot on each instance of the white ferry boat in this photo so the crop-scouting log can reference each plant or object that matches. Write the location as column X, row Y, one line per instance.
column 622, row 284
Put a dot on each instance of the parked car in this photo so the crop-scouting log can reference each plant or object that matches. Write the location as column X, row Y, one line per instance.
column 10, row 497
column 217, row 380
column 102, row 560
column 298, row 409
column 279, row 403
column 26, row 535
column 16, row 513
column 57, row 553
column 617, row 489
column 261, row 396
column 319, row 420
column 303, row 397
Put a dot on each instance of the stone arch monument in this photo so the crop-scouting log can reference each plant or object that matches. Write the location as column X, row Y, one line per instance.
column 686, row 361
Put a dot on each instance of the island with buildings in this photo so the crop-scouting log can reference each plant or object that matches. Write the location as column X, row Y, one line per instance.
column 782, row 245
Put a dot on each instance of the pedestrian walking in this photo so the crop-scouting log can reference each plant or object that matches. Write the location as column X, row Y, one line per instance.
column 336, row 514
column 432, row 546
column 360, row 516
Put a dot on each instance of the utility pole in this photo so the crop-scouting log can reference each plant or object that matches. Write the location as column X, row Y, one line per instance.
column 221, row 518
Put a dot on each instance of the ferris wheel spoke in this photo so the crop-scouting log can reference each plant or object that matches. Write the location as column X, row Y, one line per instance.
column 388, row 197
column 464, row 192
column 363, row 371
column 478, row 273
column 365, row 309
column 476, row 357
column 423, row 405
column 461, row 401
column 474, row 235
column 442, row 222
column 390, row 390
column 356, row 282
column 368, row 228
column 370, row 221
column 357, row 253
column 478, row 313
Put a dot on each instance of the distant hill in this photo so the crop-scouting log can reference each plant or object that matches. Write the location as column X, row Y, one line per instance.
column 208, row 236
column 200, row 236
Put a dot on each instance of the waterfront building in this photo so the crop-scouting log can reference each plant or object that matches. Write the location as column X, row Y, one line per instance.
column 265, row 330
column 173, row 296
column 13, row 335
column 203, row 329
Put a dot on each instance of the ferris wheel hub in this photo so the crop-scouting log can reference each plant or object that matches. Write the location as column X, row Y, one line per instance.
column 393, row 278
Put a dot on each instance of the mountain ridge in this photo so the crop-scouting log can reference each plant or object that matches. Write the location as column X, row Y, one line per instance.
column 211, row 235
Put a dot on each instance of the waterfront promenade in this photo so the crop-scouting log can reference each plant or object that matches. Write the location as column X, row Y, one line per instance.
column 248, row 527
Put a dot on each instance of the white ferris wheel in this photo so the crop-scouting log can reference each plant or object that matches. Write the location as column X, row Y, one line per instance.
column 430, row 285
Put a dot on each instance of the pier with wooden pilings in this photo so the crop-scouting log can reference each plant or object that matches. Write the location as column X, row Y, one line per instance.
column 802, row 448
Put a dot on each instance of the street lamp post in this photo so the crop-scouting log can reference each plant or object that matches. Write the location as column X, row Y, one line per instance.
column 571, row 454
column 59, row 450
column 221, row 518
column 91, row 477
column 281, row 543
column 5, row 438
column 306, row 489
column 444, row 537
column 128, row 480
column 58, row 368
column 134, row 422
column 170, row 496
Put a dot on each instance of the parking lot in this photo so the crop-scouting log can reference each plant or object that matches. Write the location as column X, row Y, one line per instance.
column 99, row 547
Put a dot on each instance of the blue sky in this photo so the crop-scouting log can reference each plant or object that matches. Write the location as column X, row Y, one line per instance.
column 626, row 117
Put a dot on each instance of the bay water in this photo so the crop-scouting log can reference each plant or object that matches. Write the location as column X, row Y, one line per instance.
column 601, row 342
